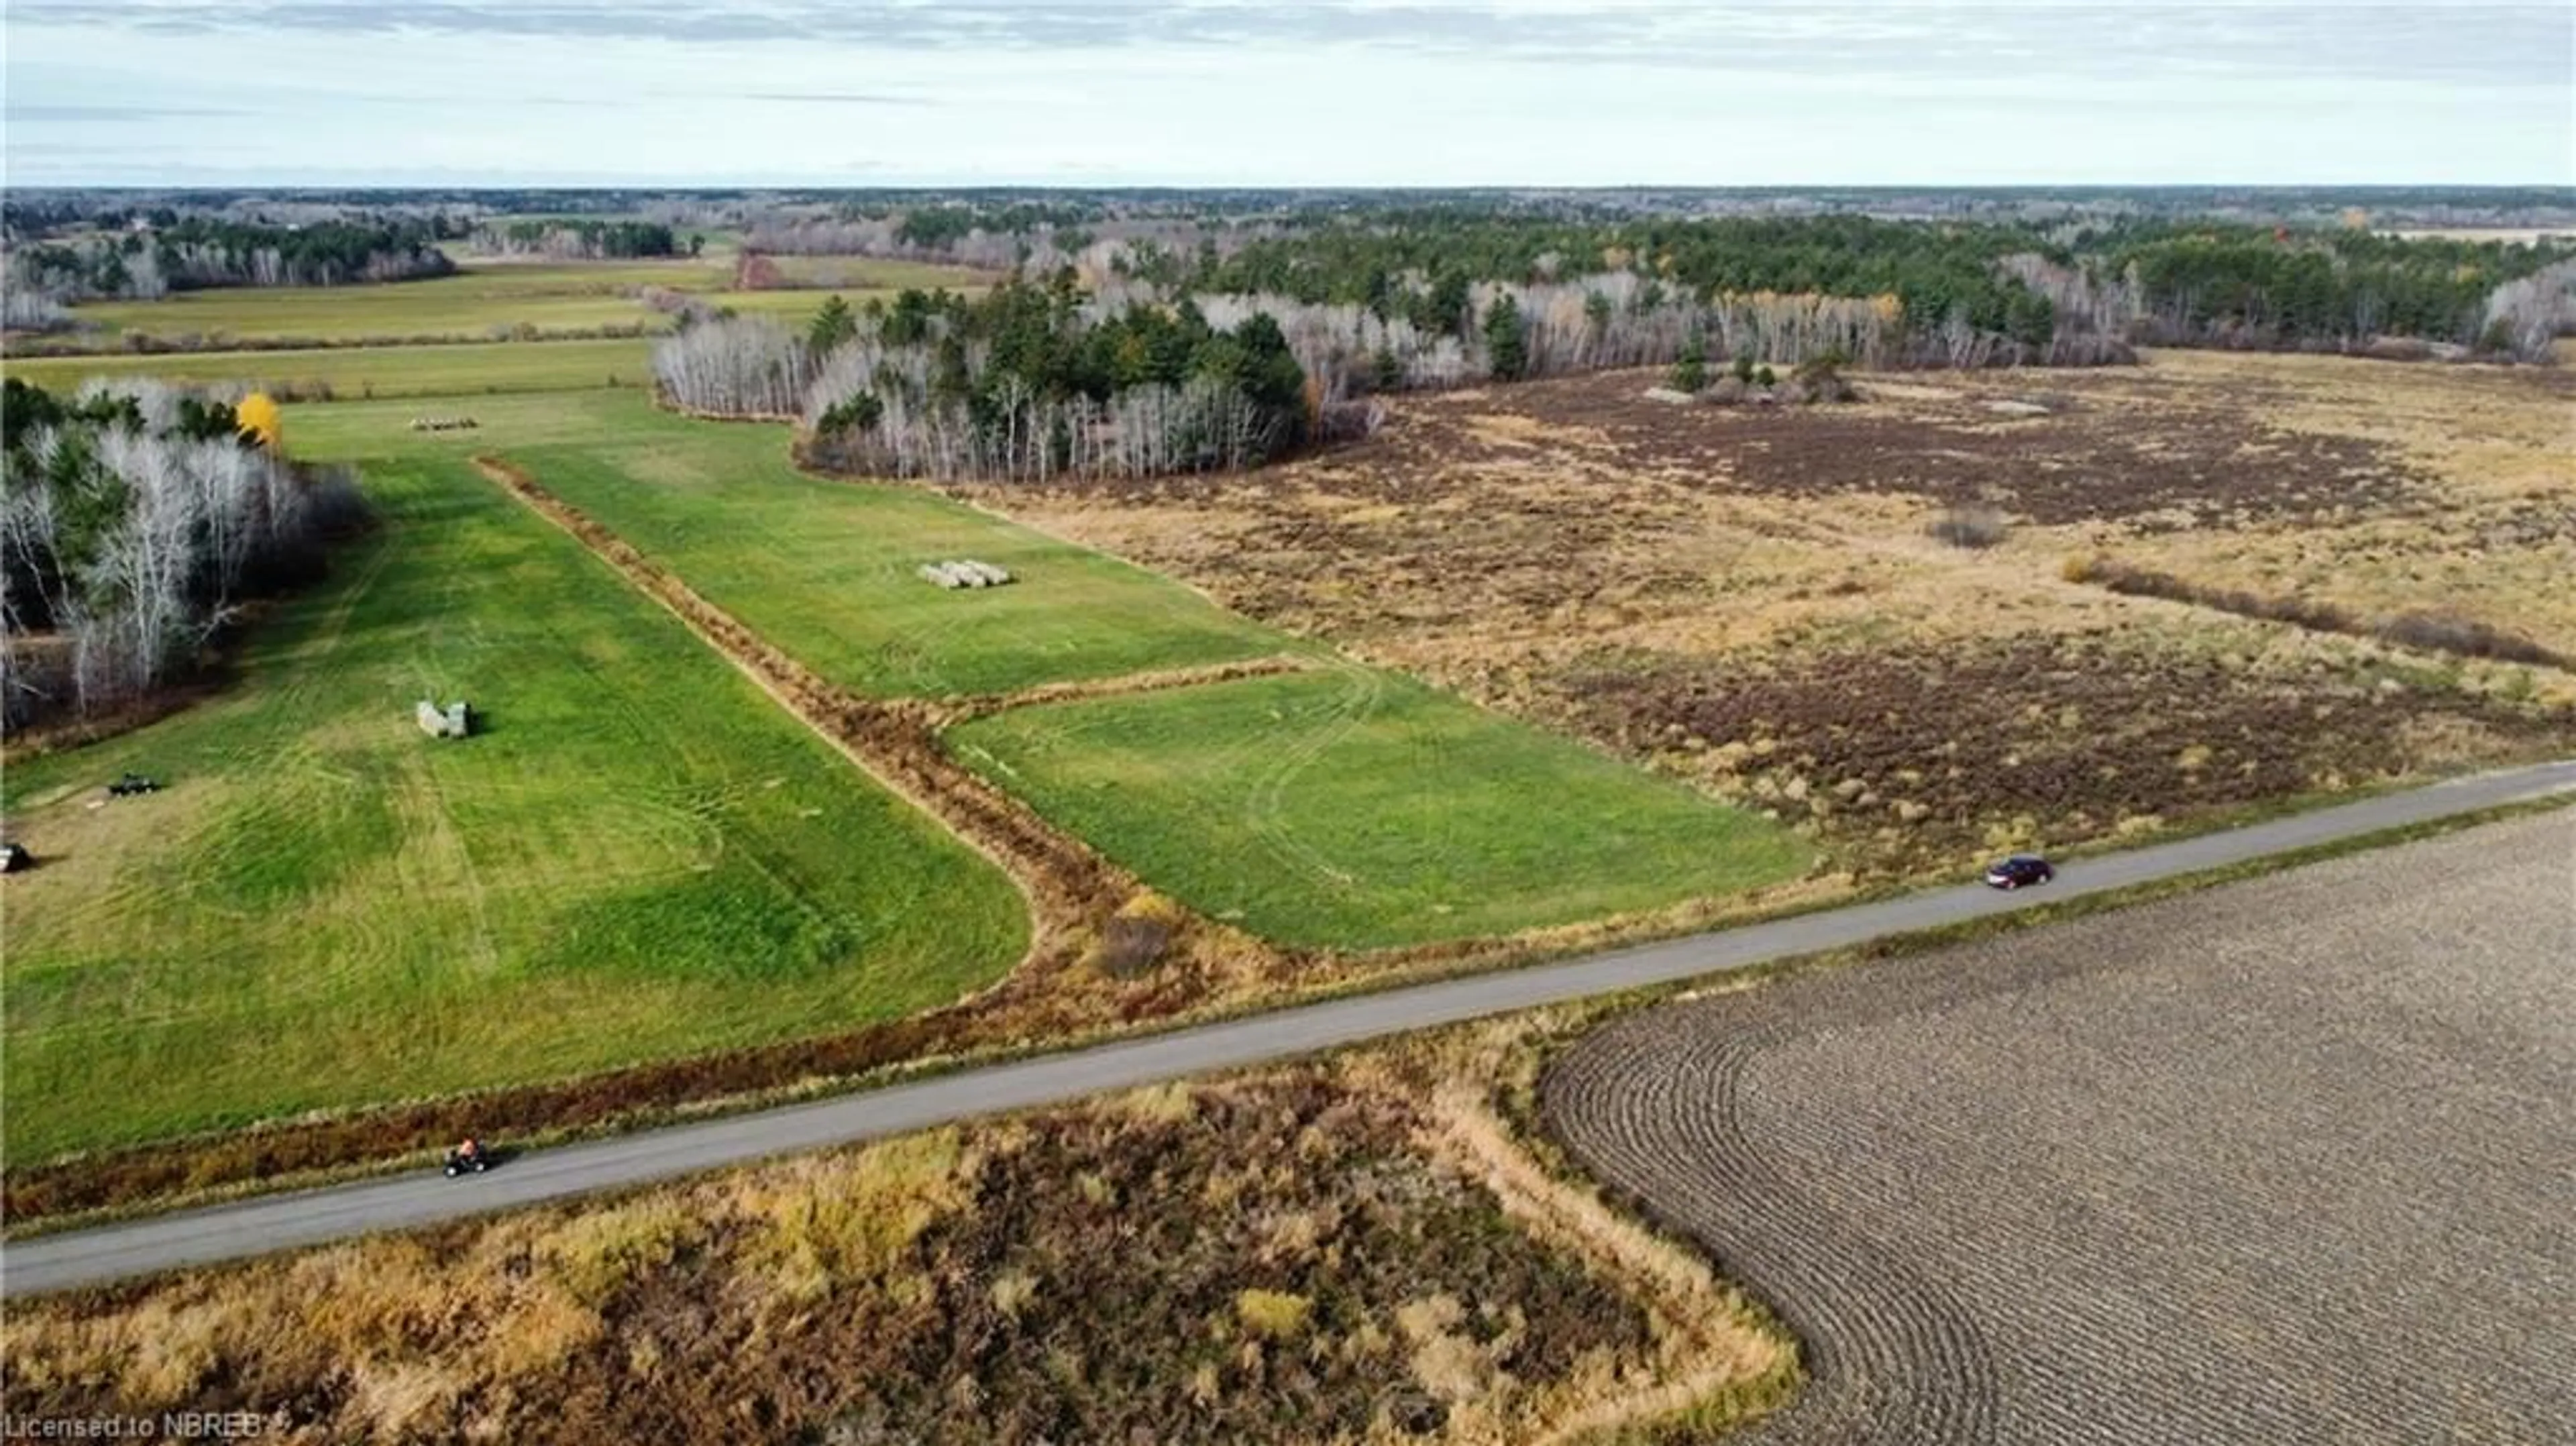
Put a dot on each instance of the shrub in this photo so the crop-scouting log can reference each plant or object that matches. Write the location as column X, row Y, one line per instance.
column 1272, row 1314
column 1137, row 936
column 2428, row 632
column 1969, row 526
column 1506, row 349
column 1386, row 371
column 2464, row 637
column 1690, row 374
column 1820, row 377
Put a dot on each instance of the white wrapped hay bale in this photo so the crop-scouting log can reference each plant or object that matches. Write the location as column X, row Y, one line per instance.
column 968, row 573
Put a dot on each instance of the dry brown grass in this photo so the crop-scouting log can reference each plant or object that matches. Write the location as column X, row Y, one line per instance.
column 1527, row 544
column 1348, row 1251
column 2493, row 536
column 1714, row 1360
column 959, row 710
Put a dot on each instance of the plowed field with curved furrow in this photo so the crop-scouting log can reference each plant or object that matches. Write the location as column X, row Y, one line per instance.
column 2286, row 1161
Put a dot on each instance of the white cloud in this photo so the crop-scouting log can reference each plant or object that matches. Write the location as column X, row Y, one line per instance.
column 1262, row 92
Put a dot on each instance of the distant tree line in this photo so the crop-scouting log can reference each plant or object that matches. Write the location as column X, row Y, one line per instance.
column 1963, row 293
column 135, row 518
column 196, row 252
column 581, row 240
column 28, row 212
column 1421, row 263
column 1025, row 382
column 2209, row 285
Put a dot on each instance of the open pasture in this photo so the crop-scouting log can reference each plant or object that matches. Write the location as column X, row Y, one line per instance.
column 493, row 299
column 1352, row 807
column 479, row 300
column 639, row 856
column 1343, row 807
column 826, row 570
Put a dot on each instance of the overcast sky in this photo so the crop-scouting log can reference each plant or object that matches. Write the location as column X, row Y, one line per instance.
column 1282, row 92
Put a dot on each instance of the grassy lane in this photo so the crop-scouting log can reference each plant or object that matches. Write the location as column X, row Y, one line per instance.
column 825, row 570
column 641, row 858
column 1355, row 808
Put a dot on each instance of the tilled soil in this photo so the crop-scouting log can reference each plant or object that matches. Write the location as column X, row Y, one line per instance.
column 2285, row 1162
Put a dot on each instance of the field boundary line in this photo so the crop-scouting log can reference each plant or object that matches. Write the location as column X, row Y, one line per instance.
column 985, row 705
column 1709, row 1347
column 1063, row 882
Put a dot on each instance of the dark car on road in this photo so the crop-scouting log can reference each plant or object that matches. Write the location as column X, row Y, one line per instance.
column 2020, row 869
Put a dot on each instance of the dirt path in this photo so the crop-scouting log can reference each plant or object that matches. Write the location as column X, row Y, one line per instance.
column 2284, row 1162
column 1126, row 684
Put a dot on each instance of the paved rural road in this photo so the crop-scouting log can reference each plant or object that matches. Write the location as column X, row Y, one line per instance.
column 252, row 1227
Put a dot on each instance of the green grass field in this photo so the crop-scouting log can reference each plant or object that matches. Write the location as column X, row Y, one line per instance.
column 490, row 297
column 825, row 569
column 473, row 370
column 1356, row 808
column 1398, row 817
column 642, row 857
column 547, row 295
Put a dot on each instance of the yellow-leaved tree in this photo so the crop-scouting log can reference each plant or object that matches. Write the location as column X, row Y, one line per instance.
column 259, row 417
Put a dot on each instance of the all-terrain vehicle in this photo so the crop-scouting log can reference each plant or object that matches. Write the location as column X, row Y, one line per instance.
column 132, row 783
column 469, row 1158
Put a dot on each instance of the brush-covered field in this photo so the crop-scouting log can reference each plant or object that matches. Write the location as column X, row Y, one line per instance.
column 1755, row 598
column 1338, row 1253
column 1350, row 807
column 640, row 856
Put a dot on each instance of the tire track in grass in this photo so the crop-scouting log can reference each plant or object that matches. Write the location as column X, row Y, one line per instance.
column 1067, row 885
column 1265, row 805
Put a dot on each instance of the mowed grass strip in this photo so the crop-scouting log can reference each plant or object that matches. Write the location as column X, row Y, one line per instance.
column 641, row 857
column 826, row 570
column 1356, row 809
column 471, row 369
